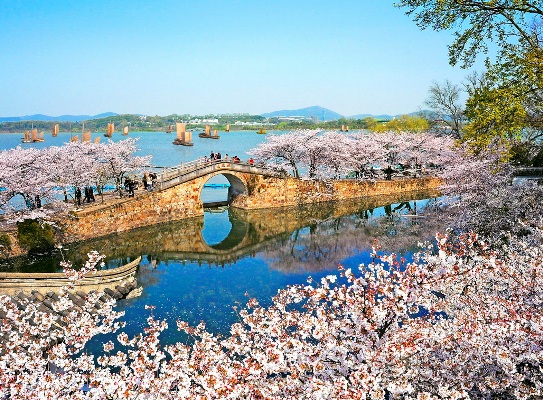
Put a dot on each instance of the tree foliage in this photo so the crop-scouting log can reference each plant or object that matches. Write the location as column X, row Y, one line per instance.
column 506, row 102
column 36, row 183
column 402, row 123
column 444, row 100
column 509, row 24
column 325, row 155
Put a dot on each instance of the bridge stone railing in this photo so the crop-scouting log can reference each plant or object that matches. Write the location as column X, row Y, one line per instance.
column 194, row 169
column 533, row 171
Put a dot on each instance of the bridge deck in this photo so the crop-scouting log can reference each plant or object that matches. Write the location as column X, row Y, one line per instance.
column 197, row 168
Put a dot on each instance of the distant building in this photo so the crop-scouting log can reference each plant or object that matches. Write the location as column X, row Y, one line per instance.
column 208, row 121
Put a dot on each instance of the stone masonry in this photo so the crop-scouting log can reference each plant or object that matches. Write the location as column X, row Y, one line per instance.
column 247, row 191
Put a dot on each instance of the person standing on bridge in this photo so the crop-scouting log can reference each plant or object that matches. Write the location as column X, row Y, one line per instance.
column 212, row 156
column 153, row 177
column 144, row 180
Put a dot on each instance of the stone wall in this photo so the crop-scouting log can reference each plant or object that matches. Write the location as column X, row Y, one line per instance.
column 271, row 192
column 12, row 283
column 183, row 201
column 180, row 202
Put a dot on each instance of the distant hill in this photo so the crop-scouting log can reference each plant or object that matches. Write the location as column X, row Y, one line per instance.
column 60, row 118
column 426, row 113
column 314, row 111
column 362, row 116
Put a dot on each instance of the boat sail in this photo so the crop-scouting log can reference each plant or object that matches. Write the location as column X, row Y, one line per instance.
column 183, row 138
column 110, row 129
column 55, row 130
column 342, row 128
column 125, row 131
column 346, row 128
column 97, row 140
column 86, row 137
column 170, row 129
column 261, row 131
column 74, row 139
column 227, row 129
column 27, row 138
column 215, row 134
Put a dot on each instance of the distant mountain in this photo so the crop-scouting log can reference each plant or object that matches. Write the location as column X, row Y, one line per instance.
column 60, row 118
column 362, row 116
column 315, row 111
column 426, row 113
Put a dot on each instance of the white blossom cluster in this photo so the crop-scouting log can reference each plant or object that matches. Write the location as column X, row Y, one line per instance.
column 323, row 155
column 454, row 324
column 51, row 174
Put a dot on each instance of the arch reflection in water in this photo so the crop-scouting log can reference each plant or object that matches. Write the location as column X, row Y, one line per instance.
column 239, row 233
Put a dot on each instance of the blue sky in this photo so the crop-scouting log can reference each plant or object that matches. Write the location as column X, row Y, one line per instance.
column 213, row 57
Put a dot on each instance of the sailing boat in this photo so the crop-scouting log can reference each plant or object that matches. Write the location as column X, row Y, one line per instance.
column 125, row 131
column 27, row 138
column 110, row 129
column 183, row 138
column 261, row 131
column 35, row 138
column 55, row 130
column 227, row 129
column 170, row 129
column 207, row 133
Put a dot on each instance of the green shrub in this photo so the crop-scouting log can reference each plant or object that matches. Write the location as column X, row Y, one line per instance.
column 5, row 244
column 35, row 237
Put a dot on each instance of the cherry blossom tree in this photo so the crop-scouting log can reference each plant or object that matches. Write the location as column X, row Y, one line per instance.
column 31, row 178
column 481, row 194
column 283, row 152
column 116, row 160
column 25, row 184
column 453, row 324
column 332, row 155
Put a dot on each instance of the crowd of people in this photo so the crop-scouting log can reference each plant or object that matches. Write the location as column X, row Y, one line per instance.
column 218, row 157
column 148, row 180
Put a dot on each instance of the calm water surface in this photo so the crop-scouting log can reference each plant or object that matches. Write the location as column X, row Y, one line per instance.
column 198, row 269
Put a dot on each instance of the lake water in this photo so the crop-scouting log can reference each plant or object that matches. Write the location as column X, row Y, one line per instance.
column 198, row 269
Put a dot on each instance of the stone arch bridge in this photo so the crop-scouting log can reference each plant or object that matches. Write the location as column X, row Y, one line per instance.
column 177, row 196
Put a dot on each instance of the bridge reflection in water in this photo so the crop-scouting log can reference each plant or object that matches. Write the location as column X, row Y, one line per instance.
column 182, row 272
column 251, row 231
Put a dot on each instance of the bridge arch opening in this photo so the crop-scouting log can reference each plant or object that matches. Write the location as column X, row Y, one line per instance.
column 221, row 189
